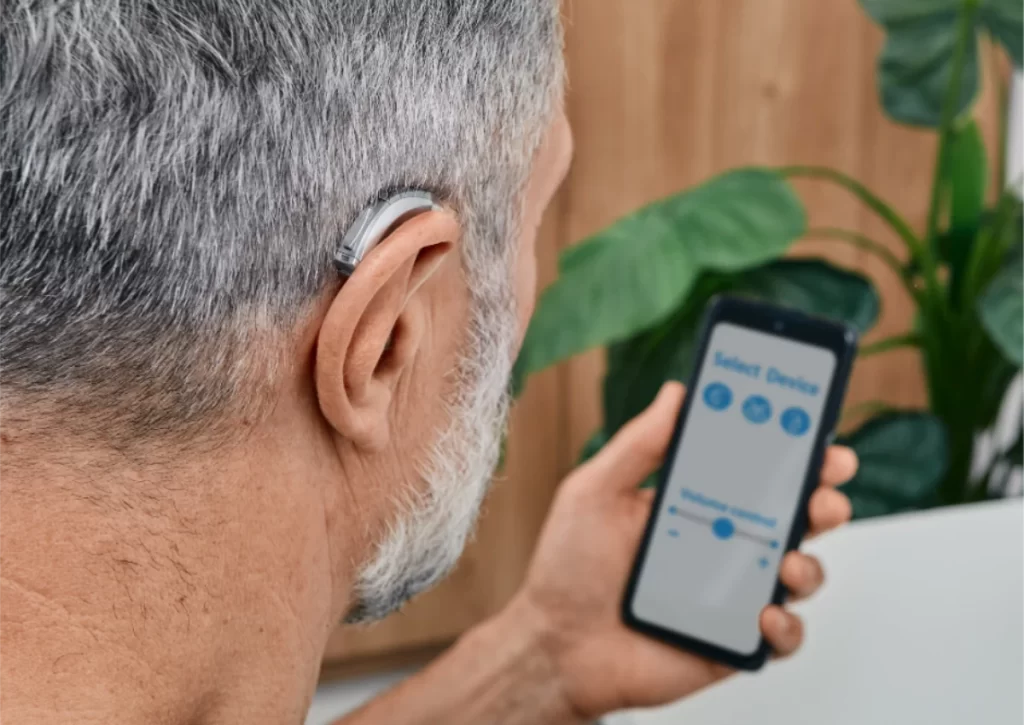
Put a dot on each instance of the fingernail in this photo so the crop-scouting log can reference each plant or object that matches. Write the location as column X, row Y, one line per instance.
column 668, row 386
column 662, row 392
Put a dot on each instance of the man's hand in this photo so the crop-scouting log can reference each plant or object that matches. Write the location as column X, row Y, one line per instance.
column 559, row 652
column 576, row 582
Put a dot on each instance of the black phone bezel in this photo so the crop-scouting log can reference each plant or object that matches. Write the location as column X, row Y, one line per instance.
column 841, row 339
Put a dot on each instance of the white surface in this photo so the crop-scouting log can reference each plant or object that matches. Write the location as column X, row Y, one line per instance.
column 334, row 699
column 921, row 621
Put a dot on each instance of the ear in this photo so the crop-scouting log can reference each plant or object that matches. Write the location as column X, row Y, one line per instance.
column 375, row 324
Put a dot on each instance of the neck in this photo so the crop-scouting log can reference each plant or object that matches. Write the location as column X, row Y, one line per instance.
column 148, row 595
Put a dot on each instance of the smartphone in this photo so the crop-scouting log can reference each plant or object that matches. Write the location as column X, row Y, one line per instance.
column 762, row 404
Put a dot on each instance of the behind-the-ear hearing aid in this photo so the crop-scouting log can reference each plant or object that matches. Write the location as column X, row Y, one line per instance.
column 374, row 222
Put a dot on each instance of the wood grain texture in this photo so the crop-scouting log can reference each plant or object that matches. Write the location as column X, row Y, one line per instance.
column 664, row 94
column 667, row 93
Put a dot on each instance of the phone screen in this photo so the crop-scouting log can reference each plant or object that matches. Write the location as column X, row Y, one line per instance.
column 733, row 486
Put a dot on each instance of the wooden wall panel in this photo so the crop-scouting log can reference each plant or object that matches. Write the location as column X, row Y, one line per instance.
column 666, row 93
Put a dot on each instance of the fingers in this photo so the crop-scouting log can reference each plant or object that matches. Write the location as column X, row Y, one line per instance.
column 783, row 630
column 639, row 447
column 827, row 510
column 839, row 466
column 802, row 575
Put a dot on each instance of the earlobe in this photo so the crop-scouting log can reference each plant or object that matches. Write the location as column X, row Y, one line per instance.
column 374, row 326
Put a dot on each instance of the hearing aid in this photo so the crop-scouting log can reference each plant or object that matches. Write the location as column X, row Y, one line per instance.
column 374, row 223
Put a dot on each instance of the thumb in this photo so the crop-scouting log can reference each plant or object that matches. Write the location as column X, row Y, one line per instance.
column 639, row 447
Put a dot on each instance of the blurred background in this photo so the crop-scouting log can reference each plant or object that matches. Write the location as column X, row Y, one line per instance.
column 666, row 95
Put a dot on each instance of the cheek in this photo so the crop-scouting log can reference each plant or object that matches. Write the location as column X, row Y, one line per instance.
column 526, row 282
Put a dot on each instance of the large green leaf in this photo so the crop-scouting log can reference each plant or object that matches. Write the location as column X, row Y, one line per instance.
column 637, row 367
column 1003, row 19
column 903, row 457
column 635, row 273
column 995, row 381
column 817, row 288
column 1001, row 308
column 916, row 62
column 1015, row 455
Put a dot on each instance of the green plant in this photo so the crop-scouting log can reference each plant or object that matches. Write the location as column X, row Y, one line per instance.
column 639, row 287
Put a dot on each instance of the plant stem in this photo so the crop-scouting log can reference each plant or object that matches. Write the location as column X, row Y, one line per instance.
column 890, row 343
column 875, row 203
column 947, row 357
column 866, row 243
column 949, row 107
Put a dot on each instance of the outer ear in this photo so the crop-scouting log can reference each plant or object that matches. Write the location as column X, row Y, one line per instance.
column 374, row 327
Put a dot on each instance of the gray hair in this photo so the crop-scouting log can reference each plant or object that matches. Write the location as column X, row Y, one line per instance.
column 176, row 174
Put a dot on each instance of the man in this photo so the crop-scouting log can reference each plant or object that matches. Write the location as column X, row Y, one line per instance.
column 216, row 447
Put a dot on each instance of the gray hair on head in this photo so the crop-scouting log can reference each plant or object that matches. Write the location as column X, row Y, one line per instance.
column 176, row 174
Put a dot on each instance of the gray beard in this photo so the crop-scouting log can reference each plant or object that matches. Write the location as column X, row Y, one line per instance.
column 430, row 530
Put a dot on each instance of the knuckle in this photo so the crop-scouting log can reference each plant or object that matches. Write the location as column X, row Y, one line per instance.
column 650, row 450
column 637, row 442
column 648, row 443
column 576, row 483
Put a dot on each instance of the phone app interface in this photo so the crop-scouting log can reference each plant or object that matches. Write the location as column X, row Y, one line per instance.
column 733, row 487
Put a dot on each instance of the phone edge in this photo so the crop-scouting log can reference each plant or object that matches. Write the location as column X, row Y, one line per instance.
column 830, row 416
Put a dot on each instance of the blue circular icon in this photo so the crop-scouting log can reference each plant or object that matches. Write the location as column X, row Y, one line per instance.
column 795, row 421
column 717, row 396
column 757, row 409
column 723, row 528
